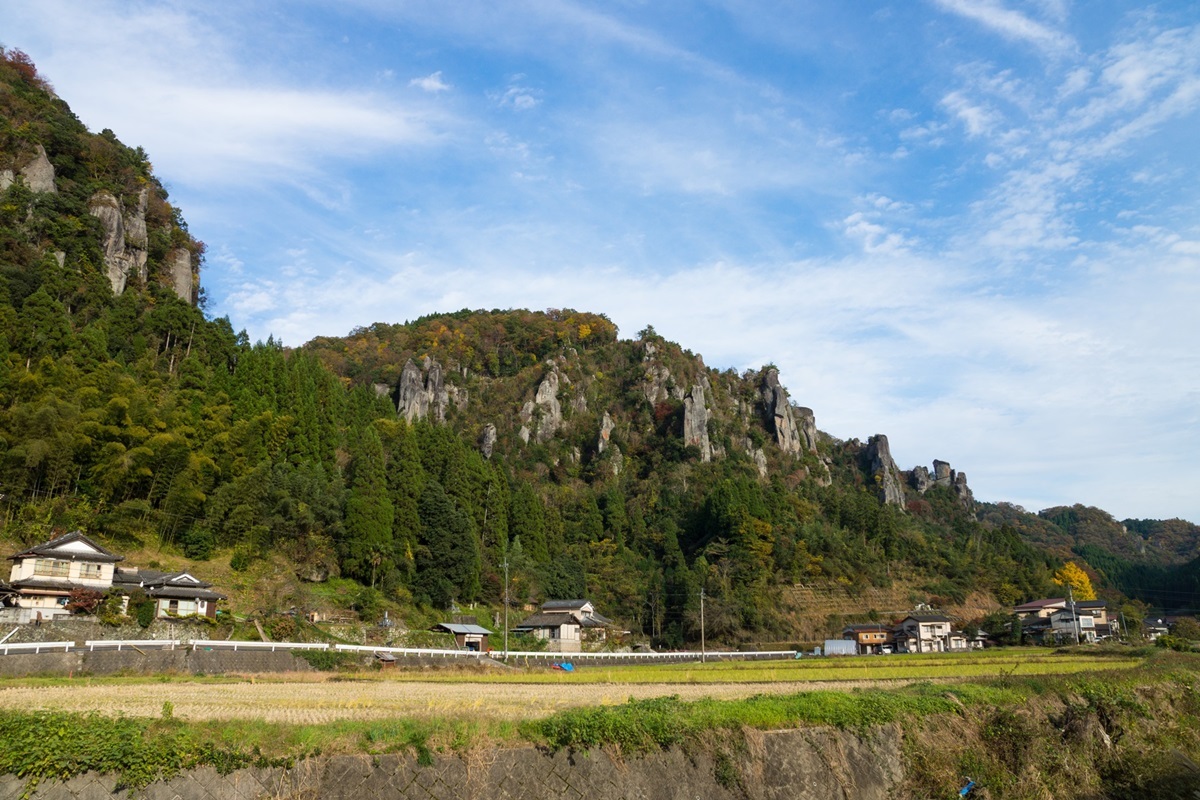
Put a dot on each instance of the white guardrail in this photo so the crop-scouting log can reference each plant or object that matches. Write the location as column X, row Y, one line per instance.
column 222, row 644
column 36, row 647
column 133, row 644
column 527, row 656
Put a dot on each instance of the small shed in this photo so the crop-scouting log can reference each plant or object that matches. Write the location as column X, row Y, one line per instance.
column 468, row 637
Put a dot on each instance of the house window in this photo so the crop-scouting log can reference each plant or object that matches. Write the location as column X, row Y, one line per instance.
column 90, row 571
column 52, row 568
column 173, row 607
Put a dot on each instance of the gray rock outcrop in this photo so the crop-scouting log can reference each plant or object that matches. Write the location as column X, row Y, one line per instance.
column 606, row 428
column 943, row 475
column 878, row 455
column 124, row 254
column 179, row 268
column 427, row 395
column 791, row 437
column 487, row 440
column 542, row 416
column 38, row 173
column 695, row 422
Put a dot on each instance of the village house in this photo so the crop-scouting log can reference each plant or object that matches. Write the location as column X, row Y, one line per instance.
column 1055, row 620
column 177, row 594
column 566, row 624
column 928, row 633
column 870, row 638
column 43, row 577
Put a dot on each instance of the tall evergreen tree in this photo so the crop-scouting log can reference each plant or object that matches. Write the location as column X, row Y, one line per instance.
column 367, row 549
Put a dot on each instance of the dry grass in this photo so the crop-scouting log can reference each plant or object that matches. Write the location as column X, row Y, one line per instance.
column 301, row 700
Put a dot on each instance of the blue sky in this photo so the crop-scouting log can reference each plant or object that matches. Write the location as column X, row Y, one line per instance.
column 969, row 224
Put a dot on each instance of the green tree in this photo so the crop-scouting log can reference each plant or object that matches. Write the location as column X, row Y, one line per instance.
column 367, row 550
column 447, row 560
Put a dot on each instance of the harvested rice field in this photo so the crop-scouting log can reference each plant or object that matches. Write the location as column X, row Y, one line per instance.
column 502, row 694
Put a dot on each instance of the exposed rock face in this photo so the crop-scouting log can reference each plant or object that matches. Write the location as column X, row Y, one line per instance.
column 606, row 428
column 123, row 254
column 760, row 461
column 962, row 491
column 806, row 424
column 38, row 174
column 777, row 412
column 920, row 479
column 381, row 389
column 419, row 397
column 695, row 422
column 179, row 268
column 487, row 440
column 546, row 408
column 887, row 477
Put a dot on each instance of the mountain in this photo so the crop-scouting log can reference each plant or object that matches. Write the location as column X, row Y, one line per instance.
column 400, row 467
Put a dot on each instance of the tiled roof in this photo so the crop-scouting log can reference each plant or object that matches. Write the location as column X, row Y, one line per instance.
column 51, row 548
column 546, row 621
column 182, row 593
column 564, row 605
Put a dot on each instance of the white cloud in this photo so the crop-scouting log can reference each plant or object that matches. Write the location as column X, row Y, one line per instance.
column 431, row 83
column 979, row 121
column 1009, row 24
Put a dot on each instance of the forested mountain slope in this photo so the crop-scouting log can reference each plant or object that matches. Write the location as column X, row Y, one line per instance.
column 417, row 458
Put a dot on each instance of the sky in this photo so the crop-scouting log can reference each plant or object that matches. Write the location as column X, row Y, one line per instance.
column 971, row 225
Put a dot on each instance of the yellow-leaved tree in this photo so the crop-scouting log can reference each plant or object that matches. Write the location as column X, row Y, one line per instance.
column 1073, row 575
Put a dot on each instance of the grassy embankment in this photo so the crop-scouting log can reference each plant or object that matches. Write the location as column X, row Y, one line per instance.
column 1025, row 734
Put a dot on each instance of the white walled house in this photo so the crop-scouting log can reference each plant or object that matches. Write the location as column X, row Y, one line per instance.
column 177, row 594
column 565, row 624
column 928, row 633
column 43, row 577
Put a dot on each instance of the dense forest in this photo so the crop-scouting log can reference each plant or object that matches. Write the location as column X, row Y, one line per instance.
column 419, row 458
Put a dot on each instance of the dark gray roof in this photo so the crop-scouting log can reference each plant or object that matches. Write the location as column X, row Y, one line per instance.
column 50, row 584
column 460, row 628
column 151, row 578
column 595, row 620
column 868, row 627
column 546, row 621
column 564, row 605
column 182, row 593
column 928, row 618
column 49, row 549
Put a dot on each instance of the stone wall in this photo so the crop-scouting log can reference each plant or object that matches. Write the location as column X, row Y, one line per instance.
column 805, row 764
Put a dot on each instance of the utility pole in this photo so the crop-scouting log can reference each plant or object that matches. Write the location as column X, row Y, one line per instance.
column 505, row 610
column 702, row 653
column 1074, row 617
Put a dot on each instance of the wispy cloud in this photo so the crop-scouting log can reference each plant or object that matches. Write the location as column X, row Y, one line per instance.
column 1009, row 23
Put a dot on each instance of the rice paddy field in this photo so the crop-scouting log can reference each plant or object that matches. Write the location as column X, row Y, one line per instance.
column 513, row 694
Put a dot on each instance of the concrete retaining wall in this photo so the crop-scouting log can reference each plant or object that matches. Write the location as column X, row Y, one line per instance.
column 807, row 764
column 109, row 662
